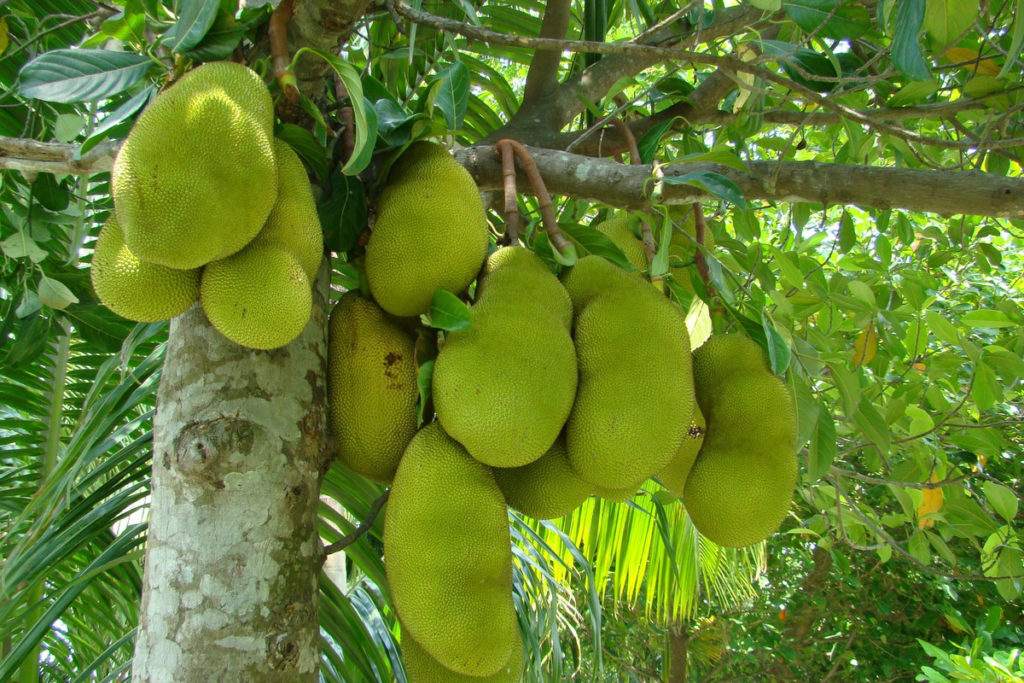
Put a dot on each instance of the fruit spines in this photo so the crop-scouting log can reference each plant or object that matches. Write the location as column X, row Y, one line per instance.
column 371, row 387
column 139, row 291
column 448, row 556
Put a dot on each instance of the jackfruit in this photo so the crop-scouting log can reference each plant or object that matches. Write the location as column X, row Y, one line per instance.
column 420, row 667
column 293, row 223
column 448, row 556
column 635, row 394
column 504, row 387
column 371, row 387
column 739, row 488
column 430, row 234
column 673, row 477
column 546, row 488
column 143, row 292
column 618, row 229
column 259, row 297
column 196, row 177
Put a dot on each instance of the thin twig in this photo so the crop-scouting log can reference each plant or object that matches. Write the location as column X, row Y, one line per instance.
column 700, row 229
column 634, row 150
column 360, row 530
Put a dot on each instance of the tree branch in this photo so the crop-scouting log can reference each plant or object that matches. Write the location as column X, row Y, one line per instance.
column 543, row 74
column 360, row 531
column 32, row 156
column 614, row 184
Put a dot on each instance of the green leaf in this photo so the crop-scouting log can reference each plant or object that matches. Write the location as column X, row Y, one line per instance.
column 1017, row 41
column 862, row 291
column 1002, row 499
column 20, row 245
column 906, row 49
column 767, row 5
column 830, row 18
column 947, row 20
column 67, row 127
column 365, row 116
column 713, row 183
column 597, row 243
column 123, row 113
column 448, row 312
column 424, row 381
column 55, row 293
column 823, row 446
column 80, row 75
column 195, row 17
column 913, row 93
column 220, row 40
column 942, row 329
column 985, row 390
column 875, row 428
column 453, row 94
column 718, row 156
column 987, row 318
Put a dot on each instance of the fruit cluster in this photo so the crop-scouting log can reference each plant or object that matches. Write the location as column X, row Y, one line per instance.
column 560, row 388
column 209, row 206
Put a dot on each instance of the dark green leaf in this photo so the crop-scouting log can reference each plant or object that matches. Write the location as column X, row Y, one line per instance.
column 424, row 381
column 453, row 94
column 448, row 312
column 195, row 17
column 220, row 41
column 713, row 183
column 79, row 75
column 906, row 48
column 594, row 242
column 830, row 18
column 120, row 115
column 823, row 446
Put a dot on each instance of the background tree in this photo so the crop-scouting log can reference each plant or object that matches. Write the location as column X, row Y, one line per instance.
column 858, row 164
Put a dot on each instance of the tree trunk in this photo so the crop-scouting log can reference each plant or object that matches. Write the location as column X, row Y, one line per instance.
column 678, row 642
column 233, row 557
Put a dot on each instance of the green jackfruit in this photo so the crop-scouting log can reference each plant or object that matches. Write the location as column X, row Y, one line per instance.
column 673, row 477
column 448, row 556
column 546, row 488
column 635, row 394
column 143, row 292
column 504, row 387
column 371, row 387
column 740, row 486
column 259, row 297
column 293, row 223
column 420, row 667
column 430, row 234
column 196, row 177
column 618, row 230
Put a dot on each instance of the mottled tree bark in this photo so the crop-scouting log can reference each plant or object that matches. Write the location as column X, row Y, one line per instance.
column 230, row 588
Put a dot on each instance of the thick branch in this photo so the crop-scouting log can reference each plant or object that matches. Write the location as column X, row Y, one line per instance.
column 594, row 82
column 31, row 156
column 543, row 74
column 614, row 184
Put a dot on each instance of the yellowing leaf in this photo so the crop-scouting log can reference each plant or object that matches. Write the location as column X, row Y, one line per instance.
column 962, row 54
column 4, row 35
column 931, row 502
column 866, row 346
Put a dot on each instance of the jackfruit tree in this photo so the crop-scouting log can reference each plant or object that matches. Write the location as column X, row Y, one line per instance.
column 500, row 341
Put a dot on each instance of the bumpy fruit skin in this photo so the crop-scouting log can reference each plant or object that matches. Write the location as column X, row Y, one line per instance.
column 420, row 667
column 430, row 234
column 739, row 488
column 504, row 387
column 546, row 488
column 259, row 297
column 673, row 477
column 618, row 230
column 196, row 177
column 448, row 556
column 143, row 292
column 293, row 223
column 371, row 387
column 635, row 394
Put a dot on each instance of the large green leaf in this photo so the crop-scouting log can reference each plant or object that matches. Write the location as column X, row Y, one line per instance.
column 81, row 75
